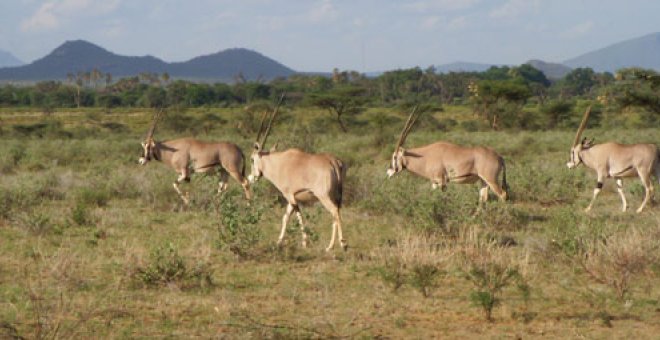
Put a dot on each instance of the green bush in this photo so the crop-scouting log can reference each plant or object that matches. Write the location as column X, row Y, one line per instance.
column 238, row 230
column 166, row 266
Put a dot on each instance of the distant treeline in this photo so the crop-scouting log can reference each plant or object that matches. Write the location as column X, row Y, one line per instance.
column 499, row 95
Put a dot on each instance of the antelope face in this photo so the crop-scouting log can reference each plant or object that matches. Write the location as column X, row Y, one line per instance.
column 575, row 157
column 147, row 151
column 257, row 167
column 396, row 164
column 575, row 153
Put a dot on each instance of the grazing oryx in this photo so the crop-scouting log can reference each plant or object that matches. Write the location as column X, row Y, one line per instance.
column 188, row 155
column 301, row 177
column 443, row 162
column 617, row 161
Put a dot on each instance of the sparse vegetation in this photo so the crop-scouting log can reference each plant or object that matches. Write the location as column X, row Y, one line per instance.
column 92, row 243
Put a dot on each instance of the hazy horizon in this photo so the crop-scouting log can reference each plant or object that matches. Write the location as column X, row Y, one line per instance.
column 363, row 35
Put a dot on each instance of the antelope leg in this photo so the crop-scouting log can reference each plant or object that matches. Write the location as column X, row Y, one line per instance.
column 483, row 192
column 285, row 221
column 342, row 241
column 222, row 184
column 648, row 185
column 619, row 188
column 599, row 186
column 183, row 196
column 302, row 228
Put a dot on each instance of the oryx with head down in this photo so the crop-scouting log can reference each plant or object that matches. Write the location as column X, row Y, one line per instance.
column 444, row 163
column 188, row 155
column 616, row 161
column 301, row 177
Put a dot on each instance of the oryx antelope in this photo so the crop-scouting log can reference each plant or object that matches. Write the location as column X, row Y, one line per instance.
column 188, row 155
column 444, row 163
column 301, row 177
column 617, row 161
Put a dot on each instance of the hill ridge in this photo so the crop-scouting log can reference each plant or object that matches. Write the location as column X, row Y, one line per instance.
column 75, row 56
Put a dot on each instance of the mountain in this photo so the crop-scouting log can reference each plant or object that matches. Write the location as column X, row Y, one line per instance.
column 461, row 66
column 552, row 71
column 638, row 52
column 229, row 63
column 7, row 59
column 79, row 55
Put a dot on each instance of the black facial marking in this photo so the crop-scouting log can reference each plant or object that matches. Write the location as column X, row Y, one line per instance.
column 599, row 185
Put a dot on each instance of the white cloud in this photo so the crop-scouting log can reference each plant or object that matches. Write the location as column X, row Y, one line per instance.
column 325, row 11
column 457, row 23
column 431, row 22
column 513, row 8
column 43, row 19
column 51, row 13
column 440, row 5
column 578, row 30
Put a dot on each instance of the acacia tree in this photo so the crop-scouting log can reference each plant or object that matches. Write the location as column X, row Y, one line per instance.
column 340, row 101
column 498, row 100
column 638, row 87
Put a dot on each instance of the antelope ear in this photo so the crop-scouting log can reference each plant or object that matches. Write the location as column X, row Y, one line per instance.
column 143, row 144
column 585, row 142
column 274, row 147
column 402, row 151
column 257, row 146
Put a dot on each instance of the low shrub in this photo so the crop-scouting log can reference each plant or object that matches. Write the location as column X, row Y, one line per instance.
column 166, row 266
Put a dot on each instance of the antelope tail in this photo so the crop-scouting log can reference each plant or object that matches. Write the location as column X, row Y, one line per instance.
column 243, row 169
column 505, row 186
column 340, row 172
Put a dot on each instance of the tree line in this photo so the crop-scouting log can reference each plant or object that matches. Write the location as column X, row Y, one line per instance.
column 499, row 95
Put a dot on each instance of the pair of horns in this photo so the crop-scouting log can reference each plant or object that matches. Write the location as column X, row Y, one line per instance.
column 262, row 135
column 412, row 119
column 157, row 116
column 583, row 125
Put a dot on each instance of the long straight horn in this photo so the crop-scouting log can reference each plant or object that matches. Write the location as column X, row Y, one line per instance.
column 261, row 125
column 412, row 123
column 152, row 128
column 406, row 129
column 583, row 125
column 272, row 118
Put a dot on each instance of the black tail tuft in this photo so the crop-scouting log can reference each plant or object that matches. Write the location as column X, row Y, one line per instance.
column 505, row 185
column 340, row 172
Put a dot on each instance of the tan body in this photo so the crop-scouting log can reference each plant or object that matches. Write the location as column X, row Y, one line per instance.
column 618, row 161
column 303, row 177
column 188, row 155
column 444, row 163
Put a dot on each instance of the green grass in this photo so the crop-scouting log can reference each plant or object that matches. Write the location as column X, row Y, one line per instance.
column 93, row 245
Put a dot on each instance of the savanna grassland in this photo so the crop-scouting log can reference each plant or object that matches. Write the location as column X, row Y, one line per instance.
column 93, row 245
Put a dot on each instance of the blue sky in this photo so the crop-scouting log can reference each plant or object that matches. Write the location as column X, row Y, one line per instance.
column 319, row 35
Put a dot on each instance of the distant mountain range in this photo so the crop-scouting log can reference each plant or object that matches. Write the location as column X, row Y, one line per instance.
column 7, row 59
column 551, row 70
column 76, row 56
column 640, row 52
column 461, row 66
column 79, row 55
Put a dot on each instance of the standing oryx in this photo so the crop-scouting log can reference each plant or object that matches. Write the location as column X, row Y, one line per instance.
column 188, row 155
column 301, row 177
column 443, row 162
column 617, row 161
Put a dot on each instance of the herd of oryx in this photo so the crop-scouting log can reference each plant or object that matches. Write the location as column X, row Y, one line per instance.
column 306, row 177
